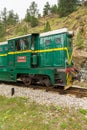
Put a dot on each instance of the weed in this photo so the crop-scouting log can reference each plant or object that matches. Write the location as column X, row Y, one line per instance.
column 83, row 111
column 63, row 125
column 59, row 108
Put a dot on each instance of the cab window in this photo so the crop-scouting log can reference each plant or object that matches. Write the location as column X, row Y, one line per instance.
column 58, row 40
column 47, row 42
column 22, row 44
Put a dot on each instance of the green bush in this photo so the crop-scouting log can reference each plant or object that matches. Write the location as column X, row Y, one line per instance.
column 2, row 30
column 47, row 27
column 80, row 40
column 34, row 21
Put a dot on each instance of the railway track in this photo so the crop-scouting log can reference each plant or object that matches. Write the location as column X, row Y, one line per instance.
column 74, row 90
column 77, row 91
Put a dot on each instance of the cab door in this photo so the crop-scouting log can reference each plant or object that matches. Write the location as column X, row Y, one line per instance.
column 11, row 76
column 59, row 52
column 22, row 52
column 11, row 53
column 34, row 49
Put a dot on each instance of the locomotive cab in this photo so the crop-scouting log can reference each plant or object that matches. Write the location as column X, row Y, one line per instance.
column 19, row 52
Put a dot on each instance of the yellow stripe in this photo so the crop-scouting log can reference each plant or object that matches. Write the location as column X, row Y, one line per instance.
column 19, row 52
column 49, row 50
column 69, row 57
column 39, row 51
column 3, row 55
column 11, row 53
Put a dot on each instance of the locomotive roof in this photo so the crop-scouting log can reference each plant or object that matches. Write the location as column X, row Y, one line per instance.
column 3, row 43
column 20, row 37
column 63, row 30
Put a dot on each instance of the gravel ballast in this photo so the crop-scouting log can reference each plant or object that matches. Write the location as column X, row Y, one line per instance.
column 43, row 97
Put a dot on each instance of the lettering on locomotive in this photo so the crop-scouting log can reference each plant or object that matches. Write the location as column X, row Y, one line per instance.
column 21, row 59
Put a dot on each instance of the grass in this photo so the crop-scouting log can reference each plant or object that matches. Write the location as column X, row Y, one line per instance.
column 22, row 114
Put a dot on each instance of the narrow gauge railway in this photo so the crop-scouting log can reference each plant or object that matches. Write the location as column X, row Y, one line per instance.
column 77, row 91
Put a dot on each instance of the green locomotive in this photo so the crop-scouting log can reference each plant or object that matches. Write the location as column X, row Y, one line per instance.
column 44, row 58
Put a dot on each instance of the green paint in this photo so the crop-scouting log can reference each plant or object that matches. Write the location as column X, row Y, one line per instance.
column 38, row 55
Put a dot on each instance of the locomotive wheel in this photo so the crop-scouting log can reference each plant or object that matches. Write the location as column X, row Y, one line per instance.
column 26, row 80
column 47, row 82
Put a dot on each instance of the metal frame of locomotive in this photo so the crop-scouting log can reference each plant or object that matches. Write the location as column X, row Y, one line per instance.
column 38, row 58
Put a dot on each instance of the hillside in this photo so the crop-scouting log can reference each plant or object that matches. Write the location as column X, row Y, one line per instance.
column 77, row 22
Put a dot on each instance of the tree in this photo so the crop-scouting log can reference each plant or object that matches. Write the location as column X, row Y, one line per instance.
column 4, row 16
column 34, row 21
column 16, row 17
column 12, row 18
column 47, row 27
column 28, row 16
column 65, row 7
column 32, row 14
column 33, row 9
column 2, row 29
column 54, row 9
column 46, row 9
column 84, row 2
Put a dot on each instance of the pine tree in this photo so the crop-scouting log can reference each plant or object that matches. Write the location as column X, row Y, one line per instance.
column 32, row 14
column 4, row 17
column 54, row 9
column 46, row 9
column 28, row 16
column 66, row 7
column 12, row 18
column 33, row 9
column 47, row 27
column 2, row 29
column 34, row 21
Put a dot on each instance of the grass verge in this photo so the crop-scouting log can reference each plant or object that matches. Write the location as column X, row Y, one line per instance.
column 22, row 114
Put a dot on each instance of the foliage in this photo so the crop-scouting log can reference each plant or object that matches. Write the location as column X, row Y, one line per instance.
column 46, row 9
column 63, row 125
column 4, row 16
column 66, row 7
column 83, row 111
column 33, row 9
column 34, row 21
column 84, row 2
column 80, row 40
column 47, row 27
column 2, row 29
column 12, row 18
column 54, row 9
column 27, row 16
column 9, row 17
column 32, row 14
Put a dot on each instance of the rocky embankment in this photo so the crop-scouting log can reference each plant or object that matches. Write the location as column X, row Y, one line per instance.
column 80, row 61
